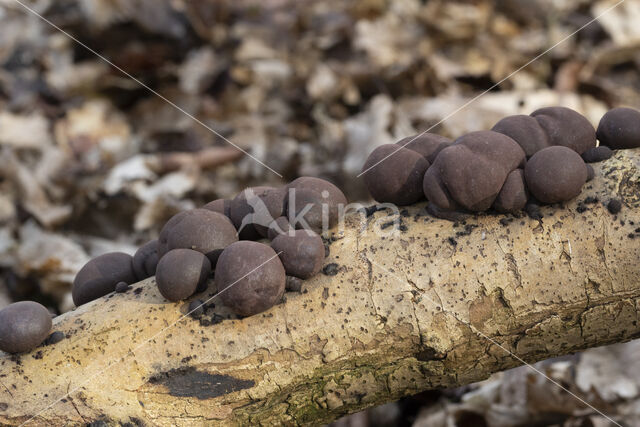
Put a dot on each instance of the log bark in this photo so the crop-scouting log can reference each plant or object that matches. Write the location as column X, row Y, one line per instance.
column 392, row 316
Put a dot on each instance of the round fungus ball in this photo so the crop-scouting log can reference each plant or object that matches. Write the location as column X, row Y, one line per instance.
column 100, row 276
column 24, row 325
column 253, row 210
column 426, row 144
column 393, row 174
column 202, row 230
column 301, row 253
column 180, row 272
column 514, row 195
column 597, row 154
column 470, row 173
column 525, row 130
column 219, row 205
column 313, row 202
column 620, row 128
column 250, row 277
column 555, row 174
column 566, row 127
column 145, row 260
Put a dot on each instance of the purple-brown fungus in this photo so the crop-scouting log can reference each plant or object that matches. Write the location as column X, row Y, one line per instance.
column 393, row 174
column 597, row 154
column 249, row 277
column 525, row 130
column 301, row 252
column 24, row 325
column 514, row 195
column 426, row 144
column 619, row 128
column 180, row 272
column 253, row 210
column 566, row 127
column 202, row 230
column 555, row 174
column 99, row 276
column 470, row 173
column 313, row 202
column 219, row 205
column 145, row 260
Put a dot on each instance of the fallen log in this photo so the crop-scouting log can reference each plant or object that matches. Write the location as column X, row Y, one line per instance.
column 438, row 304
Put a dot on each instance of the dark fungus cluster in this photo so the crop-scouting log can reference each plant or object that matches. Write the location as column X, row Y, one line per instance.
column 221, row 237
column 541, row 157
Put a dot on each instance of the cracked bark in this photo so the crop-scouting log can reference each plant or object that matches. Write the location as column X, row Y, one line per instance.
column 403, row 314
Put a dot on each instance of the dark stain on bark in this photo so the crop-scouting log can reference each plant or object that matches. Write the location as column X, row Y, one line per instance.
column 189, row 382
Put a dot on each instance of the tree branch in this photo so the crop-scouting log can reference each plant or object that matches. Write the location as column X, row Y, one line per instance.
column 403, row 314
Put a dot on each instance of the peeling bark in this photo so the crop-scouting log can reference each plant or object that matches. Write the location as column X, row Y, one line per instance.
column 401, row 315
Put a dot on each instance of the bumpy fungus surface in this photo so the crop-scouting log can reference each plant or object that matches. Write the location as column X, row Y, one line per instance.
column 555, row 174
column 619, row 128
column 428, row 144
column 251, row 276
column 597, row 154
column 145, row 260
column 318, row 195
column 301, row 253
column 470, row 173
column 24, row 325
column 514, row 195
column 202, row 230
column 566, row 127
column 99, row 276
column 394, row 174
column 180, row 272
column 253, row 209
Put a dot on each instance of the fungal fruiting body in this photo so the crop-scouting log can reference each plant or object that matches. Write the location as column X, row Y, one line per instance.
column 202, row 230
column 24, row 325
column 555, row 174
column 99, row 276
column 145, row 260
column 250, row 277
column 301, row 252
column 547, row 127
column 180, row 272
column 313, row 203
column 393, row 174
column 470, row 173
column 619, row 128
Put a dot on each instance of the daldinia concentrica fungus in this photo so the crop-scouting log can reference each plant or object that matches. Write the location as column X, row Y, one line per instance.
column 619, row 128
column 566, row 127
column 180, row 272
column 199, row 229
column 513, row 195
column 253, row 210
column 597, row 154
column 312, row 201
column 393, row 174
column 525, row 130
column 145, row 260
column 24, row 325
column 301, row 252
column 250, row 277
column 555, row 174
column 426, row 144
column 470, row 173
column 219, row 205
column 100, row 276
